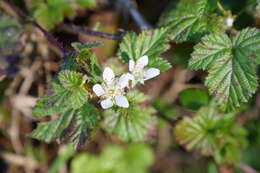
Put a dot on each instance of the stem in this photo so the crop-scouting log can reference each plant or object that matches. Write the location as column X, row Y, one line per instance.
column 78, row 29
column 221, row 8
column 25, row 18
column 135, row 14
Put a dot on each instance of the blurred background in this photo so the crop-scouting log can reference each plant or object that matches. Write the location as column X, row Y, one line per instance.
column 28, row 62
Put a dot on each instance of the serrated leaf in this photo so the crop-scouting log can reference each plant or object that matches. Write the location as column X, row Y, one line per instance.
column 70, row 79
column 90, row 63
column 190, row 19
column 81, row 126
column 130, row 125
column 150, row 43
column 209, row 132
column 232, row 75
column 51, row 130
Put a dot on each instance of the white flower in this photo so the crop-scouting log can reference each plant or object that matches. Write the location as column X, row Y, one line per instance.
column 139, row 72
column 229, row 21
column 112, row 89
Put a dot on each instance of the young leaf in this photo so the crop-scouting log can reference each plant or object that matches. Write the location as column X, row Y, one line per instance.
column 231, row 63
column 190, row 20
column 53, row 129
column 82, row 125
column 150, row 43
column 209, row 132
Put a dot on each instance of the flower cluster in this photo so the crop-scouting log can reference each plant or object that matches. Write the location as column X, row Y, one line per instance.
column 112, row 89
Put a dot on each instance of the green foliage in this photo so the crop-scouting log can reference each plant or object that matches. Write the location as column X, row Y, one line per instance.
column 115, row 159
column 193, row 98
column 51, row 130
column 189, row 20
column 88, row 60
column 86, row 3
column 212, row 133
column 10, row 31
column 52, row 12
column 132, row 124
column 150, row 43
column 82, row 126
column 232, row 74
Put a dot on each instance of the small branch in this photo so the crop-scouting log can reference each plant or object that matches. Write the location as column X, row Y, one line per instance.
column 83, row 30
column 27, row 19
column 135, row 14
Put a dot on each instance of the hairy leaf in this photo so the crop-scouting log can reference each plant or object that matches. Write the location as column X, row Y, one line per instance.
column 81, row 127
column 51, row 130
column 150, row 43
column 190, row 19
column 210, row 132
column 231, row 64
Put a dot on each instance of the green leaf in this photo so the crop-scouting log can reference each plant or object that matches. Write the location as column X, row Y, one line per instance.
column 193, row 98
column 210, row 133
column 190, row 19
column 89, row 62
column 52, row 12
column 68, row 94
column 81, row 126
column 51, row 130
column 87, row 3
column 231, row 64
column 150, row 43
column 115, row 159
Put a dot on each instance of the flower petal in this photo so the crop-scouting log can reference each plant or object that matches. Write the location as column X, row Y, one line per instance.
column 107, row 103
column 124, row 80
column 151, row 73
column 108, row 75
column 142, row 61
column 98, row 90
column 122, row 101
column 131, row 65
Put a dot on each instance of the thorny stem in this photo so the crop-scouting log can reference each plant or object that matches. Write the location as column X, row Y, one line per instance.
column 24, row 17
column 78, row 29
column 135, row 14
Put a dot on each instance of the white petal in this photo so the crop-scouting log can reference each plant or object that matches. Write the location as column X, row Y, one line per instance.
column 108, row 75
column 131, row 65
column 122, row 101
column 151, row 73
column 124, row 80
column 142, row 61
column 98, row 90
column 105, row 104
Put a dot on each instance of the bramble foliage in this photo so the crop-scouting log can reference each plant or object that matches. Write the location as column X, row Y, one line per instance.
column 231, row 62
column 212, row 133
column 132, row 124
column 115, row 159
column 149, row 43
column 189, row 20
